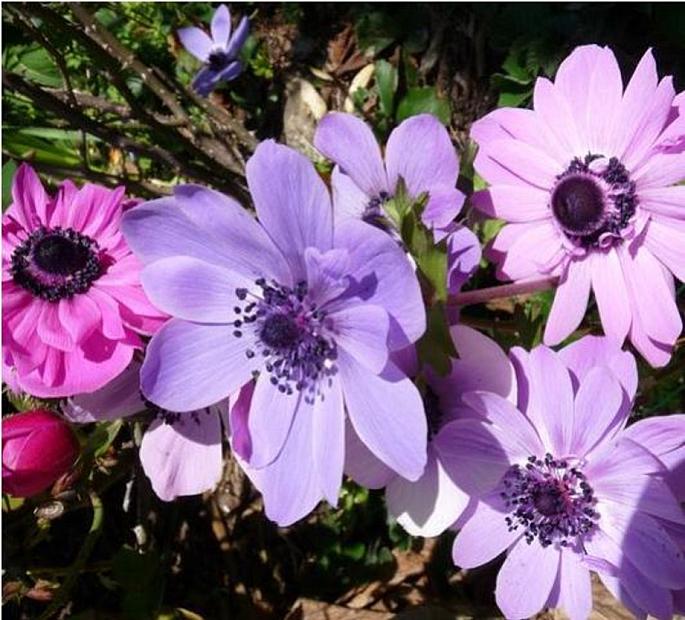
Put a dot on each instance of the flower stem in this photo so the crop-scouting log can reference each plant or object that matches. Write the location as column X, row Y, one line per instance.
column 482, row 295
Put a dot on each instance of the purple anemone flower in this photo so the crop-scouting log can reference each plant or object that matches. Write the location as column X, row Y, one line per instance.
column 563, row 487
column 420, row 152
column 587, row 182
column 218, row 53
column 181, row 453
column 312, row 309
column 433, row 503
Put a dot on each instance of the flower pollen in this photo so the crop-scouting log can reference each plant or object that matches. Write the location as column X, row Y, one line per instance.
column 550, row 500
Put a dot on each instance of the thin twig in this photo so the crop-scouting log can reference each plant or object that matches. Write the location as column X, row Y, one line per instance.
column 484, row 295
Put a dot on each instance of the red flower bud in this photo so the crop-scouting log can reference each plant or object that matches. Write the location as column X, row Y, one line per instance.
column 37, row 448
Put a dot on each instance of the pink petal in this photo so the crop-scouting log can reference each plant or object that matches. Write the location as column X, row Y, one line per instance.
column 513, row 203
column 668, row 201
column 531, row 165
column 80, row 316
column 667, row 243
column 29, row 199
column 560, row 119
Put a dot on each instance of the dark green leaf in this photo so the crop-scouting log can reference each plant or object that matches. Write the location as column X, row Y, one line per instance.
column 8, row 171
column 435, row 347
column 386, row 81
column 424, row 100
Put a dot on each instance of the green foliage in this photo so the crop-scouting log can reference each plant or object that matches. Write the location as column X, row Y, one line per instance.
column 8, row 170
column 139, row 576
column 386, row 82
column 424, row 100
column 34, row 62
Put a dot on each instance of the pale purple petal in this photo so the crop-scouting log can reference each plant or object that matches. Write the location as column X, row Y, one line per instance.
column 666, row 241
column 550, row 405
column 513, row 203
column 597, row 404
column 511, row 250
column 657, row 601
column 349, row 142
column 659, row 170
column 555, row 110
column 238, row 416
column 428, row 506
column 270, row 419
column 349, row 201
column 531, row 165
column 191, row 289
column 463, row 257
column 204, row 224
column 380, row 274
column 570, row 302
column 420, row 151
column 119, row 398
column 609, row 286
column 238, row 39
column 196, row 41
column 584, row 354
column 485, row 535
column 328, row 437
column 292, row 202
column 666, row 201
column 526, row 579
column 189, row 366
column 362, row 465
column 619, row 592
column 476, row 455
column 290, row 484
column 221, row 26
column 388, row 415
column 622, row 459
column 183, row 458
column 362, row 331
column 444, row 204
column 575, row 592
column 326, row 274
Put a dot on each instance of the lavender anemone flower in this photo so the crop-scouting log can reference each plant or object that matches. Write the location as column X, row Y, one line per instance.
column 312, row 309
column 587, row 185
column 218, row 53
column 431, row 504
column 420, row 152
column 181, row 453
column 563, row 487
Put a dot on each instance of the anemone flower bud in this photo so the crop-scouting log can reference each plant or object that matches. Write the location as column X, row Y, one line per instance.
column 37, row 448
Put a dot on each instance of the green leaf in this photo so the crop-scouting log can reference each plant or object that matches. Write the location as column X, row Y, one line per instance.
column 141, row 582
column 60, row 149
column 386, row 81
column 424, row 100
column 37, row 65
column 101, row 439
column 436, row 347
column 8, row 171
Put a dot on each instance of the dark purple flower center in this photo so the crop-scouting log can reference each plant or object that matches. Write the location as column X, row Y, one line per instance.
column 293, row 335
column 56, row 263
column 593, row 204
column 218, row 60
column 550, row 500
column 578, row 204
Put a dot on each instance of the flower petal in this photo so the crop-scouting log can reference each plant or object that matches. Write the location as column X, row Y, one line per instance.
column 362, row 465
column 196, row 41
column 239, row 37
column 189, row 366
column 292, row 202
column 428, row 506
column 349, row 142
column 221, row 26
column 183, row 458
column 388, row 415
column 349, row 201
column 362, row 331
column 667, row 242
column 570, row 302
column 29, row 199
column 513, row 203
column 328, row 441
column 609, row 286
column 526, row 579
column 575, row 587
column 420, row 151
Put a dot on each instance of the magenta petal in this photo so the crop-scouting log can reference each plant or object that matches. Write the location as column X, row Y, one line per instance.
column 292, row 202
column 428, row 506
column 271, row 416
column 420, row 151
column 597, row 404
column 349, row 142
column 29, row 199
column 196, row 41
column 570, row 302
column 189, row 366
column 485, row 535
column 183, row 458
column 189, row 288
column 526, row 579
column 387, row 413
